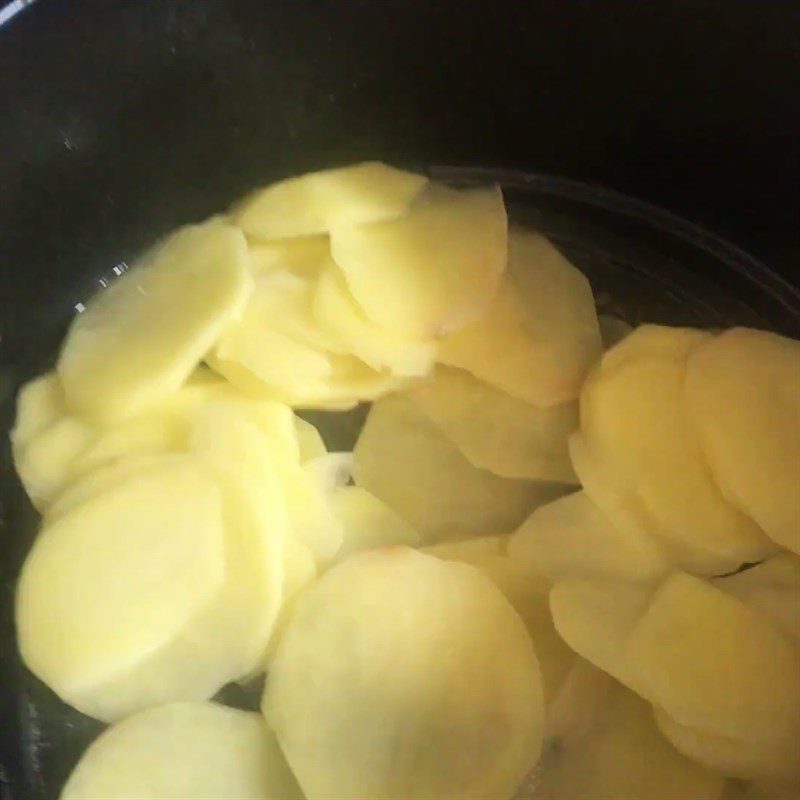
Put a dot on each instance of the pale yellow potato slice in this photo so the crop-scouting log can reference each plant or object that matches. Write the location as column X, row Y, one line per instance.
column 302, row 255
column 431, row 271
column 742, row 394
column 367, row 522
column 404, row 676
column 139, row 340
column 405, row 460
column 622, row 756
column 309, row 440
column 470, row 550
column 40, row 403
column 573, row 538
column 320, row 201
column 184, row 751
column 633, row 421
column 337, row 313
column 495, row 431
column 540, row 335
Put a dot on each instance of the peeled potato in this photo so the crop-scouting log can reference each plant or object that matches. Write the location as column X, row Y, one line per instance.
column 140, row 339
column 402, row 458
column 742, row 394
column 403, row 676
column 573, row 538
column 540, row 335
column 495, row 431
column 320, row 201
column 622, row 756
column 302, row 255
column 431, row 271
column 181, row 751
column 337, row 312
column 40, row 402
column 309, row 440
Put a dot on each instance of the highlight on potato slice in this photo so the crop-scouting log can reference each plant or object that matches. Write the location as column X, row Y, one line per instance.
column 321, row 201
column 404, row 676
column 540, row 335
column 742, row 395
column 403, row 459
column 495, row 431
column 139, row 340
column 431, row 271
column 182, row 751
column 337, row 312
column 573, row 538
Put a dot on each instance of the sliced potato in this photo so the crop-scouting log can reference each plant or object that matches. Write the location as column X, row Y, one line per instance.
column 140, row 339
column 181, row 751
column 540, row 335
column 573, row 538
column 302, row 255
column 40, row 403
column 495, row 431
column 431, row 271
column 320, row 201
column 404, row 676
column 309, row 440
column 403, row 459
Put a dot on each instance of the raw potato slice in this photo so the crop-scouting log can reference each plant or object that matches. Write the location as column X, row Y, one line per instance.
column 431, row 271
column 540, row 335
column 331, row 471
column 403, row 459
column 404, row 676
column 470, row 551
column 742, row 394
column 367, row 522
column 337, row 312
column 117, row 580
column 40, row 403
column 140, row 339
column 320, row 201
column 495, row 431
column 632, row 419
column 572, row 538
column 184, row 751
column 303, row 255
column 309, row 440
column 623, row 757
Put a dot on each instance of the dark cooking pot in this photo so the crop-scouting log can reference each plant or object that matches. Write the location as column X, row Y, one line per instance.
column 123, row 118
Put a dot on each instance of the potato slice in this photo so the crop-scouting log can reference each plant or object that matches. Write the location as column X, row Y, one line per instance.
column 612, row 330
column 622, row 757
column 320, row 201
column 572, row 538
column 742, row 394
column 304, row 256
column 337, row 312
column 495, row 431
column 309, row 440
column 368, row 523
column 183, row 751
column 140, row 339
column 540, row 335
column 403, row 459
column 632, row 419
column 404, row 676
column 40, row 403
column 431, row 271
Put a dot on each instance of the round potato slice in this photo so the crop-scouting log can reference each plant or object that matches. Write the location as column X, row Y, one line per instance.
column 140, row 339
column 184, row 751
column 404, row 676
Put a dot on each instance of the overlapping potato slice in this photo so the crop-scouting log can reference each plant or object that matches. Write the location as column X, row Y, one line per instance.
column 404, row 676
column 304, row 256
column 742, row 394
column 573, row 538
column 540, row 335
column 184, row 750
column 320, row 201
column 403, row 459
column 497, row 432
column 431, row 271
column 139, row 340
column 309, row 440
column 612, row 329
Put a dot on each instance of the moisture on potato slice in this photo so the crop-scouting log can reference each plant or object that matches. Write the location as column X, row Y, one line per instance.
column 573, row 538
column 540, row 335
column 405, row 460
column 139, row 340
column 184, row 751
column 404, row 676
column 431, row 271
column 497, row 432
column 742, row 394
column 337, row 312
column 321, row 201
